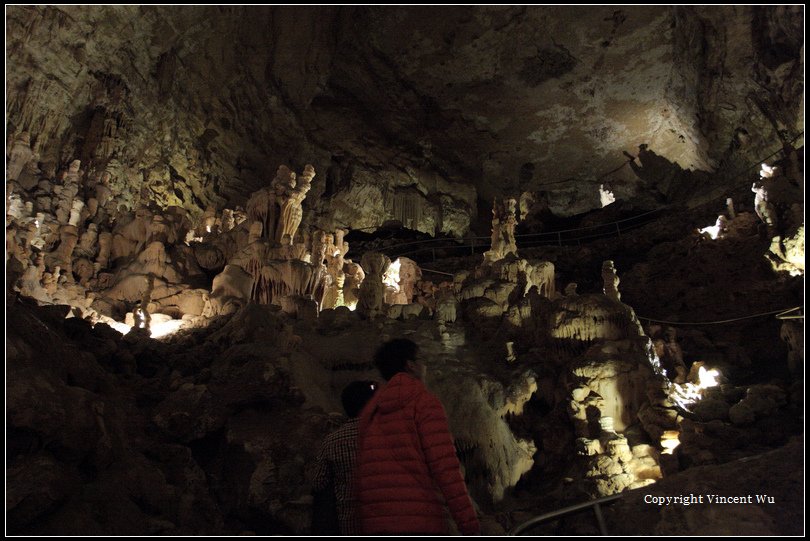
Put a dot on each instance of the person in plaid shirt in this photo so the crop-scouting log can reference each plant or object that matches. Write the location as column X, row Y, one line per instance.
column 334, row 467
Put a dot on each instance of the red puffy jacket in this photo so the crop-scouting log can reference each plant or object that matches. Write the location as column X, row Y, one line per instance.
column 405, row 455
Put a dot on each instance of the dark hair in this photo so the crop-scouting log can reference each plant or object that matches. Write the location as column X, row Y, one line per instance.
column 356, row 395
column 393, row 356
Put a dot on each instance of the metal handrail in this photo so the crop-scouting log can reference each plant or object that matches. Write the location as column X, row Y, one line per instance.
column 567, row 511
column 555, row 238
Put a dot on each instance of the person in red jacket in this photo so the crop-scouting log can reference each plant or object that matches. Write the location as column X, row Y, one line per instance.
column 407, row 469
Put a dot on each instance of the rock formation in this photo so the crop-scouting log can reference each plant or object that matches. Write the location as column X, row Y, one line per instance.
column 183, row 312
column 504, row 221
column 371, row 295
column 611, row 281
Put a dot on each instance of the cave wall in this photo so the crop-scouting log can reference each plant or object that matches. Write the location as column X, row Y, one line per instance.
column 741, row 71
column 194, row 106
column 186, row 86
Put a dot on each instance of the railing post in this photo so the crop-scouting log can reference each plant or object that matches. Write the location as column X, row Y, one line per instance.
column 472, row 246
column 600, row 519
column 433, row 251
column 559, row 238
column 618, row 230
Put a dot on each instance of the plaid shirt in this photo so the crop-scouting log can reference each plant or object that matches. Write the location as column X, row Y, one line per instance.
column 335, row 464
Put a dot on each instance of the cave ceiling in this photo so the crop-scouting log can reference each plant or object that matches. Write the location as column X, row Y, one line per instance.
column 207, row 101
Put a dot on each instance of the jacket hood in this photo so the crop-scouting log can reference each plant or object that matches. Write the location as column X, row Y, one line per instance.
column 400, row 390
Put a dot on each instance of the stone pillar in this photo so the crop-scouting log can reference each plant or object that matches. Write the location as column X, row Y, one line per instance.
column 372, row 290
column 104, row 244
column 63, row 256
column 76, row 212
column 19, row 155
column 611, row 281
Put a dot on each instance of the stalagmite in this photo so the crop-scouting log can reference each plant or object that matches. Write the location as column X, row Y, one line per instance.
column 30, row 282
column 542, row 276
column 65, row 195
column 227, row 220
column 372, row 290
column 336, row 248
column 409, row 275
column 63, row 256
column 88, row 242
column 50, row 280
column 43, row 196
column 19, row 155
column 208, row 221
column 291, row 208
column 74, row 174
column 351, row 286
column 76, row 212
column 611, row 281
column 133, row 133
column 104, row 246
column 102, row 190
column 504, row 221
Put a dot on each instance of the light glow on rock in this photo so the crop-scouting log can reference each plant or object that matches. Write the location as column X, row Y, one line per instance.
column 166, row 328
column 713, row 231
column 123, row 328
column 391, row 276
column 140, row 316
column 687, row 394
column 707, row 378
column 766, row 171
column 606, row 196
column 156, row 330
column 669, row 441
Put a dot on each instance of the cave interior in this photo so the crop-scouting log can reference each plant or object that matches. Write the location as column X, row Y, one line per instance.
column 589, row 218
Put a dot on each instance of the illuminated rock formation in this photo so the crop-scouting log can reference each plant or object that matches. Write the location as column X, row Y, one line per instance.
column 15, row 208
column 291, row 210
column 292, row 278
column 504, row 220
column 351, row 286
column 371, row 295
column 30, row 284
column 131, row 233
column 231, row 290
column 494, row 458
column 169, row 119
column 613, row 384
column 74, row 174
column 611, row 281
column 264, row 206
column 585, row 318
column 334, row 253
column 228, row 221
column 401, row 280
column 19, row 155
column 63, row 255
column 208, row 221
column 65, row 194
column 104, row 250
